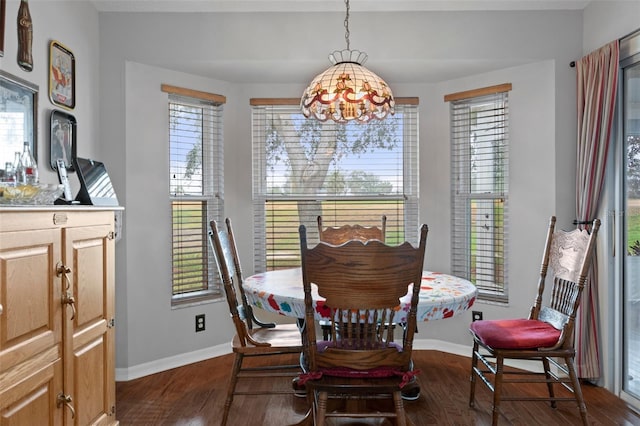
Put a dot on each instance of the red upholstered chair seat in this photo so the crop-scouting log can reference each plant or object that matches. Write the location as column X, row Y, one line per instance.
column 515, row 333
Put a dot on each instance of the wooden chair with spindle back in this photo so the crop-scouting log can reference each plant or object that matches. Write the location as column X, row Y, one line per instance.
column 250, row 341
column 547, row 334
column 362, row 284
column 337, row 235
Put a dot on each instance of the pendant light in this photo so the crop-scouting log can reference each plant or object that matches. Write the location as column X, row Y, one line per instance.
column 347, row 90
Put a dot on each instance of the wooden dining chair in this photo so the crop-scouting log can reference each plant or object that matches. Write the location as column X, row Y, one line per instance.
column 546, row 335
column 341, row 234
column 361, row 284
column 250, row 341
column 246, row 310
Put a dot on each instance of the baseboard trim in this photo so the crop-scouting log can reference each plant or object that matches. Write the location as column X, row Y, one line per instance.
column 163, row 364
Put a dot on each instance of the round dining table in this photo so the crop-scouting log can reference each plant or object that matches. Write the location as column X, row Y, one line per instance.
column 280, row 291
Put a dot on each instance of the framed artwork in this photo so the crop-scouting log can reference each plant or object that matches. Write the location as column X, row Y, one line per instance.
column 3, row 8
column 62, row 139
column 19, row 106
column 62, row 76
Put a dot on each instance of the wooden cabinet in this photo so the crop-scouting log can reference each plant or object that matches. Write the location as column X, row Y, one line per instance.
column 57, row 333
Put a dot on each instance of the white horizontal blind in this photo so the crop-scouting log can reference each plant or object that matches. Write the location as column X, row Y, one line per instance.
column 349, row 174
column 480, row 177
column 195, row 167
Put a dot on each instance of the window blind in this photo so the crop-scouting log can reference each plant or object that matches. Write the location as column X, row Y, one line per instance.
column 195, row 188
column 480, row 167
column 348, row 173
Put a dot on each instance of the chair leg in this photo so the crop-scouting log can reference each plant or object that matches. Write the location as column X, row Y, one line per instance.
column 547, row 375
column 401, row 417
column 237, row 365
column 472, row 378
column 497, row 390
column 577, row 390
column 321, row 407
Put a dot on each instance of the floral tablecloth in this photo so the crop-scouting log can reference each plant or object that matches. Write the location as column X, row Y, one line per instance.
column 441, row 295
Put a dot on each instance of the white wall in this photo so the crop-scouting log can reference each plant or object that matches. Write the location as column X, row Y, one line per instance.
column 122, row 58
column 533, row 184
column 75, row 26
column 606, row 21
column 153, row 336
column 147, row 301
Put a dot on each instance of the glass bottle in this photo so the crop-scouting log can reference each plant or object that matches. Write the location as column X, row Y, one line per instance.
column 30, row 166
column 25, row 37
column 9, row 172
column 18, row 169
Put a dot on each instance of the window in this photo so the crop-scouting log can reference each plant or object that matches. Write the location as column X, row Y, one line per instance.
column 195, row 188
column 348, row 173
column 480, row 188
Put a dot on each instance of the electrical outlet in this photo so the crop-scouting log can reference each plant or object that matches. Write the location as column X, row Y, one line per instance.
column 199, row 323
column 476, row 315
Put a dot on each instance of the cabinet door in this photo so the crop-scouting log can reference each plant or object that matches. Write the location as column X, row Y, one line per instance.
column 30, row 328
column 89, row 370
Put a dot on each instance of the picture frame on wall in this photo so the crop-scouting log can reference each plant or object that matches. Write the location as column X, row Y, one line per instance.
column 62, row 75
column 19, row 103
column 3, row 8
column 62, row 139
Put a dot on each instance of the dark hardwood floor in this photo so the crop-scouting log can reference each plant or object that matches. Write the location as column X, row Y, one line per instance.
column 194, row 395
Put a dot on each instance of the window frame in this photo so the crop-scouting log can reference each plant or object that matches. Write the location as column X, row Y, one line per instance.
column 210, row 198
column 408, row 219
column 480, row 255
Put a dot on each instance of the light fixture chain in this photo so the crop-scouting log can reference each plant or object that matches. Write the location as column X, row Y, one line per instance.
column 346, row 25
column 347, row 91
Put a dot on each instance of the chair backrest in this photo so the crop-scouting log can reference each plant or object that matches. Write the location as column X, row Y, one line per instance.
column 338, row 235
column 228, row 263
column 362, row 283
column 568, row 255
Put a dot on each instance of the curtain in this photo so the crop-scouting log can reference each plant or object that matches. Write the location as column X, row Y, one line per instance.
column 597, row 77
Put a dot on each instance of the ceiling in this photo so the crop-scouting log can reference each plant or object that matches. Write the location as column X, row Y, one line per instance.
column 414, row 69
column 331, row 5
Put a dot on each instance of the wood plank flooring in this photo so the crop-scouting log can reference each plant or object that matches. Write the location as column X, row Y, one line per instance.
column 194, row 395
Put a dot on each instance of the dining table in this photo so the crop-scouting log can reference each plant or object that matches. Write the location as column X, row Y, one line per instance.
column 280, row 291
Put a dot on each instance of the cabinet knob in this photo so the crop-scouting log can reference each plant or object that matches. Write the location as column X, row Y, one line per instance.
column 68, row 299
column 66, row 400
column 63, row 270
column 1, row 309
